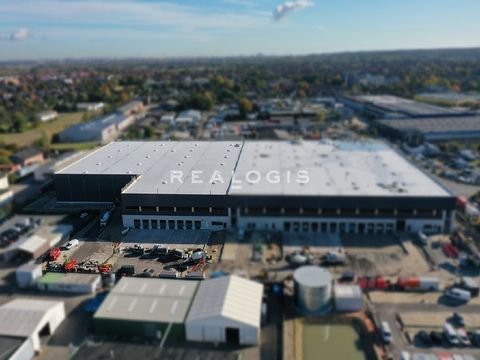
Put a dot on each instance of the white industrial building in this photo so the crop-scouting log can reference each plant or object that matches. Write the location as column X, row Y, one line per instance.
column 76, row 283
column 23, row 322
column 325, row 186
column 103, row 129
column 27, row 275
column 226, row 309
column 94, row 106
column 348, row 298
column 33, row 246
column 46, row 116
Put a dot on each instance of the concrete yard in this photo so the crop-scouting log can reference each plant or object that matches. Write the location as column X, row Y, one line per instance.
column 435, row 320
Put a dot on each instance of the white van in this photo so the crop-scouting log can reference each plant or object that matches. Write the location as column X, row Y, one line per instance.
column 405, row 355
column 458, row 294
column 71, row 244
column 386, row 332
column 450, row 334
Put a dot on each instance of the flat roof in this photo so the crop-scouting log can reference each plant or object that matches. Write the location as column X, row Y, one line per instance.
column 149, row 300
column 69, row 278
column 395, row 104
column 435, row 125
column 334, row 168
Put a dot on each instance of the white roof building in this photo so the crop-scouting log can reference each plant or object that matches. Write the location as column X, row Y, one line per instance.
column 226, row 309
column 26, row 318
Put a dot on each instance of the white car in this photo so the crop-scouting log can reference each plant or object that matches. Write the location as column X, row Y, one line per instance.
column 71, row 244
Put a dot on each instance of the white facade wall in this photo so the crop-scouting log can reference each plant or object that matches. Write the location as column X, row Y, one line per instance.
column 27, row 276
column 206, row 332
column 77, row 288
column 25, row 351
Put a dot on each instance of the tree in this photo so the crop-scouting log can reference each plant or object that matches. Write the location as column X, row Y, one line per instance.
column 20, row 122
column 245, row 106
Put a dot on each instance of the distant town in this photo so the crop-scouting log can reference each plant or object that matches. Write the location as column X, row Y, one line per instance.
column 300, row 207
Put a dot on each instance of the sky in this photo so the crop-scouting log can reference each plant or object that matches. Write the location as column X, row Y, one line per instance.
column 52, row 29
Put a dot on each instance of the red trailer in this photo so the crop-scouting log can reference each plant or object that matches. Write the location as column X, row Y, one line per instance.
column 70, row 265
column 54, row 254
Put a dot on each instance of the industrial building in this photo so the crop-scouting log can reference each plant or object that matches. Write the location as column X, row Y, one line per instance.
column 46, row 116
column 76, row 283
column 431, row 128
column 23, row 322
column 103, row 129
column 298, row 186
column 146, row 307
column 226, row 309
column 28, row 274
column 388, row 106
column 33, row 246
column 49, row 168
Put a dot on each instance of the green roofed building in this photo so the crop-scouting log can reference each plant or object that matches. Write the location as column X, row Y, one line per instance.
column 146, row 308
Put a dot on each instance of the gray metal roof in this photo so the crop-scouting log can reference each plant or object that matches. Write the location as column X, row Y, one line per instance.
column 150, row 300
column 367, row 168
column 435, row 125
column 397, row 104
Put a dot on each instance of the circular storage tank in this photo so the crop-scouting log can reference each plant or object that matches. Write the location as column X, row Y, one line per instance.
column 313, row 289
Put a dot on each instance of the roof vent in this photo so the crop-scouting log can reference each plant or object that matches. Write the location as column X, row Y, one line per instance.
column 139, row 164
column 99, row 163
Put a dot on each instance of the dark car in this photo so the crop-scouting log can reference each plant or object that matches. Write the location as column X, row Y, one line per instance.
column 458, row 320
column 474, row 337
column 424, row 338
column 147, row 273
column 347, row 276
column 436, row 337
column 126, row 270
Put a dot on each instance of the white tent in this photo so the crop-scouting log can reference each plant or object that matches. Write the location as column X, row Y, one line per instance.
column 26, row 318
column 226, row 309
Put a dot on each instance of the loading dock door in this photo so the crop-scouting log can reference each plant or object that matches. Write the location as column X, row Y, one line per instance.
column 232, row 335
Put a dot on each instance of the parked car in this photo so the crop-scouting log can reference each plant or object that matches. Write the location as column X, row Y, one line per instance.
column 474, row 337
column 424, row 338
column 463, row 338
column 71, row 244
column 458, row 294
column 422, row 238
column 458, row 320
column 450, row 334
column 386, row 332
column 436, row 338
column 347, row 276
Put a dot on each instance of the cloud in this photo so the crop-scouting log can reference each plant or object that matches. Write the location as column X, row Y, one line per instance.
column 288, row 7
column 20, row 35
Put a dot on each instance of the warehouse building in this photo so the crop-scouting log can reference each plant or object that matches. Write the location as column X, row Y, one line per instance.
column 22, row 324
column 34, row 246
column 152, row 308
column 75, row 283
column 103, row 129
column 226, row 309
column 431, row 129
column 297, row 186
column 388, row 106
